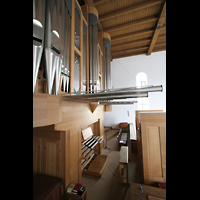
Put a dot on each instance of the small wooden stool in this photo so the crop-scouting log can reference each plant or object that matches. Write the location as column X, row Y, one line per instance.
column 123, row 164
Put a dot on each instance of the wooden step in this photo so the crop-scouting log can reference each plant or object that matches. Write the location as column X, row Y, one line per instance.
column 97, row 166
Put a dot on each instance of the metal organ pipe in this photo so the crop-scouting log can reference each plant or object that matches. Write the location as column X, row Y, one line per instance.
column 53, row 44
column 84, row 56
column 65, row 70
column 119, row 93
column 57, row 44
column 106, row 53
column 93, row 40
column 38, row 36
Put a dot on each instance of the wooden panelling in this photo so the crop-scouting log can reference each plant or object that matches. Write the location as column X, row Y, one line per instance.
column 153, row 144
column 157, row 193
column 76, row 116
column 46, row 109
column 65, row 136
column 153, row 139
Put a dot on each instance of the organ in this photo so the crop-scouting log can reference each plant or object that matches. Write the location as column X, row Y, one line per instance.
column 62, row 73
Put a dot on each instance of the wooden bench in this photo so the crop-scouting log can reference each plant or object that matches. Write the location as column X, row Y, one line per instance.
column 123, row 165
column 123, row 139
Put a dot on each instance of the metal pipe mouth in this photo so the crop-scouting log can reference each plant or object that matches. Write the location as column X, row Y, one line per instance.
column 37, row 39
column 56, row 50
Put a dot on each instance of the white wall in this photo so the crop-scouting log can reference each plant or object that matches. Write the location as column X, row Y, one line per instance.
column 123, row 73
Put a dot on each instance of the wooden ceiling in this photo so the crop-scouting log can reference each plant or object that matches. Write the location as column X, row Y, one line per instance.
column 136, row 26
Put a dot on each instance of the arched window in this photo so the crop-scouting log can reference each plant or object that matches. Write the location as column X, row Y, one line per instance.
column 141, row 80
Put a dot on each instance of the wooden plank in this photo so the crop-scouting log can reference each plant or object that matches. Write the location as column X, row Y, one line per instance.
column 128, row 54
column 158, row 28
column 98, row 164
column 154, row 198
column 46, row 109
column 147, row 190
column 123, row 155
column 132, row 34
column 124, row 44
column 129, row 10
column 99, row 2
column 130, row 50
column 135, row 33
column 135, row 22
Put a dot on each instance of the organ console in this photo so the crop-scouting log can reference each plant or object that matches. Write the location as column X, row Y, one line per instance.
column 89, row 154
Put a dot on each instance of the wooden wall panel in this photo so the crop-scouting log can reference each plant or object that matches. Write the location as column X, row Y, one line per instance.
column 66, row 135
column 46, row 109
column 76, row 116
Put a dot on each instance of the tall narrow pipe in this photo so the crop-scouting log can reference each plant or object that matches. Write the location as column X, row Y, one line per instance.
column 106, row 53
column 93, row 40
column 116, row 102
column 96, row 99
column 66, row 46
column 121, row 92
column 84, row 56
column 53, row 44
column 38, row 36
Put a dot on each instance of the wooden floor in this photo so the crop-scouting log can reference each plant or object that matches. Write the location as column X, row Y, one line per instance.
column 108, row 187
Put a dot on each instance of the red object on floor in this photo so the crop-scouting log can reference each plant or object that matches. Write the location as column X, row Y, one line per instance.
column 162, row 185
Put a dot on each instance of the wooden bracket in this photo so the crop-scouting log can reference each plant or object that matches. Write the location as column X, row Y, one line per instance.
column 93, row 106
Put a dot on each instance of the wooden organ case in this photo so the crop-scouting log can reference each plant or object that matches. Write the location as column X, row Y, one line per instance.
column 92, row 162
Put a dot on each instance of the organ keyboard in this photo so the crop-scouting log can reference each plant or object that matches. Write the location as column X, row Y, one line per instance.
column 89, row 153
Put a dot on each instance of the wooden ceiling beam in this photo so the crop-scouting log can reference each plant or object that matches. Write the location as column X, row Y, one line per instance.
column 138, row 51
column 160, row 44
column 124, row 44
column 158, row 28
column 127, row 25
column 135, row 33
column 129, row 50
column 129, row 10
column 128, row 54
column 122, row 55
column 159, row 49
column 99, row 2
